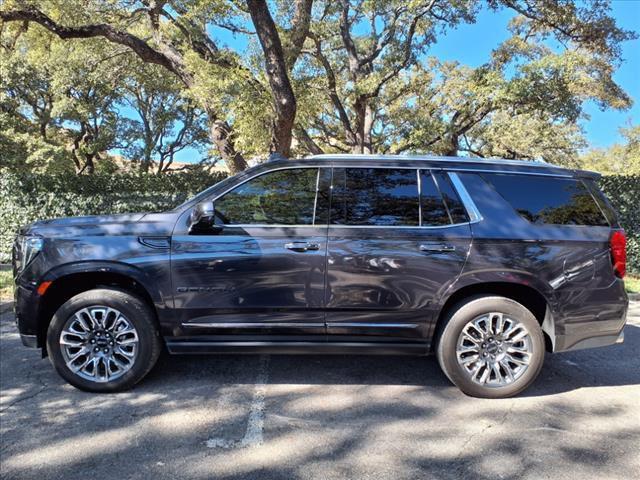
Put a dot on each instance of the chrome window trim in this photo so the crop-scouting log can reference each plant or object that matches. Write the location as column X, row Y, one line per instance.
column 469, row 205
column 324, row 225
column 273, row 225
column 507, row 172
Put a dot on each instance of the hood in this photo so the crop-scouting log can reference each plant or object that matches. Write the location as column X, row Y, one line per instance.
column 123, row 224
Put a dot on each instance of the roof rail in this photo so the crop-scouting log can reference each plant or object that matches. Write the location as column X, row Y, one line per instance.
column 433, row 158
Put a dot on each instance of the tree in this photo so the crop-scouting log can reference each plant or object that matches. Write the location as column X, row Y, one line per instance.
column 165, row 121
column 178, row 39
column 355, row 75
column 65, row 101
column 385, row 94
column 619, row 159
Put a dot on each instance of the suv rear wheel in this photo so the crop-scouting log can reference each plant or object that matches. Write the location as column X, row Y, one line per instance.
column 491, row 347
column 103, row 340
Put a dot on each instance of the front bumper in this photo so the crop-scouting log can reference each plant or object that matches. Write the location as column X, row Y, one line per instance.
column 27, row 301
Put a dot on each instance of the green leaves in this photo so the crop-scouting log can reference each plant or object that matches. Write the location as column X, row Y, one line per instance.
column 25, row 198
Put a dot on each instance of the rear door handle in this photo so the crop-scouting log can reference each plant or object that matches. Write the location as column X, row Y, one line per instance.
column 301, row 246
column 436, row 247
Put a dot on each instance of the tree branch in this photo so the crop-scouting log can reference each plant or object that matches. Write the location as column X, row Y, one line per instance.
column 299, row 30
column 333, row 92
column 139, row 46
column 304, row 138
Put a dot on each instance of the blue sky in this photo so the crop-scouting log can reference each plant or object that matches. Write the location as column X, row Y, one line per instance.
column 471, row 44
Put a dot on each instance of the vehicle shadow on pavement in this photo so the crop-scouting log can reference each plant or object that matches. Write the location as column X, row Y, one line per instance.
column 319, row 417
column 562, row 372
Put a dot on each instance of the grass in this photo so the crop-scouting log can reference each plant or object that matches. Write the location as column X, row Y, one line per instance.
column 632, row 284
column 6, row 285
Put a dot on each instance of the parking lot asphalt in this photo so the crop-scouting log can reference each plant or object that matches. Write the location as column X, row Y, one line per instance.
column 311, row 417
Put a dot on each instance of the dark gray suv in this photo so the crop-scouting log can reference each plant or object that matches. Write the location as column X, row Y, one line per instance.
column 487, row 264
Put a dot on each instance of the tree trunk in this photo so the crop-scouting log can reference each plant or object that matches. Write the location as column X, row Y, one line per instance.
column 220, row 133
column 284, row 100
column 363, row 124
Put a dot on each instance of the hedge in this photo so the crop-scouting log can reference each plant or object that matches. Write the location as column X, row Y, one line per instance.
column 25, row 198
column 29, row 197
column 624, row 193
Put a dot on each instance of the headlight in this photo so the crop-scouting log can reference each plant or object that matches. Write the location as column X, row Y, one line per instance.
column 26, row 250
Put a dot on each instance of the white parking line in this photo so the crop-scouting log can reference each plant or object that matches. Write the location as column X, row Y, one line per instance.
column 255, row 423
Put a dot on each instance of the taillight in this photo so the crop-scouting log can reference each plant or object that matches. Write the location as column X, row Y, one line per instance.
column 618, row 244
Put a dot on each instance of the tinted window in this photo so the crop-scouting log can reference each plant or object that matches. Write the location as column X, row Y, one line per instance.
column 434, row 211
column 375, row 196
column 541, row 200
column 451, row 198
column 603, row 202
column 283, row 197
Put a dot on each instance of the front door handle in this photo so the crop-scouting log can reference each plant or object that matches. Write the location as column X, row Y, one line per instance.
column 436, row 247
column 301, row 246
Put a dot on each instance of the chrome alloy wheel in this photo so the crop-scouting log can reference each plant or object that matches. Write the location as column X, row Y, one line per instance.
column 494, row 349
column 99, row 344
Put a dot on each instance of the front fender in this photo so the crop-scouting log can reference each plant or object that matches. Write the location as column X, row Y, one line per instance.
column 93, row 266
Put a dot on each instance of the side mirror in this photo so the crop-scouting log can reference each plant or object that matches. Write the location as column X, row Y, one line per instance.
column 202, row 219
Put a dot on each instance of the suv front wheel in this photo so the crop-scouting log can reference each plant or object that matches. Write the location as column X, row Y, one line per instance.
column 491, row 347
column 103, row 340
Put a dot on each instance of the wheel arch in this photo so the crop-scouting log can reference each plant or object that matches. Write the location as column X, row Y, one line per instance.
column 524, row 293
column 73, row 279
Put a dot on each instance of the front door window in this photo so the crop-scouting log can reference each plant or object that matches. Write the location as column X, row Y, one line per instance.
column 281, row 197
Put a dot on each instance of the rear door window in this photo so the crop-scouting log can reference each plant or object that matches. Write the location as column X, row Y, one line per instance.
column 375, row 197
column 434, row 211
column 456, row 209
column 548, row 200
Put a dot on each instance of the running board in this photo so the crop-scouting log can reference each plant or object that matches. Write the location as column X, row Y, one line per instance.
column 297, row 348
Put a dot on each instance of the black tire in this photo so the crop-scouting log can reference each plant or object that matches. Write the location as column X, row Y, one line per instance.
column 466, row 311
column 136, row 311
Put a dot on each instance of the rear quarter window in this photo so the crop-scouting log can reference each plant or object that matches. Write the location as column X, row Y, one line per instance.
column 548, row 200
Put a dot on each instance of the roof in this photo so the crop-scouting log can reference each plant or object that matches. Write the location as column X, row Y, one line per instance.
column 427, row 161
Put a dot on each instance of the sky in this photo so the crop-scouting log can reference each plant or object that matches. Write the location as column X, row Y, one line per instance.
column 491, row 29
column 471, row 44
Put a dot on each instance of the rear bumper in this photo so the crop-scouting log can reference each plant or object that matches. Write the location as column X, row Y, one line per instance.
column 594, row 342
column 605, row 328
column 29, row 340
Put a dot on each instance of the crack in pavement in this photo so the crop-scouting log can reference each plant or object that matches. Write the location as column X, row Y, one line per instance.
column 461, row 451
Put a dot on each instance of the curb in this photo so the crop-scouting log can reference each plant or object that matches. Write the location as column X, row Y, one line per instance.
column 634, row 297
